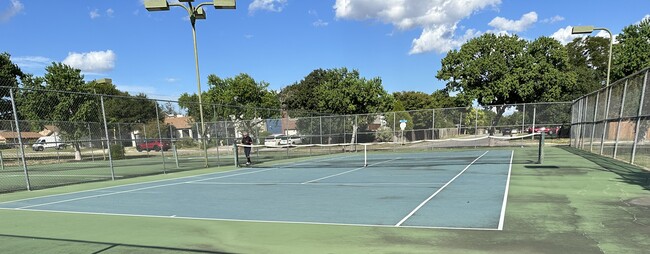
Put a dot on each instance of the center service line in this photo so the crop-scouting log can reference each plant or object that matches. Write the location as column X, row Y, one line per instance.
column 436, row 193
column 349, row 171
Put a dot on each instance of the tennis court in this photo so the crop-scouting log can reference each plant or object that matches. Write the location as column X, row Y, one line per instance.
column 452, row 189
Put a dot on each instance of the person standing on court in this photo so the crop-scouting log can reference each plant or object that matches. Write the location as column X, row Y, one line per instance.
column 247, row 140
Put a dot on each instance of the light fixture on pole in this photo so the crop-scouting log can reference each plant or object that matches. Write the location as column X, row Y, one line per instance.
column 195, row 12
column 590, row 29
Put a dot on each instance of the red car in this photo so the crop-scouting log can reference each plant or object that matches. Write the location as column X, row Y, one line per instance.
column 155, row 145
column 547, row 130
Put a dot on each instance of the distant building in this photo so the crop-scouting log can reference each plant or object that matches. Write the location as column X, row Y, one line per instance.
column 183, row 125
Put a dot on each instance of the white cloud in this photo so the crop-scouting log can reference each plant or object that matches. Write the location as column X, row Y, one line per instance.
column 440, row 39
column 171, row 80
column 94, row 14
column 553, row 19
column 514, row 25
column 647, row 16
column 438, row 19
column 319, row 23
column 15, row 8
column 267, row 5
column 31, row 62
column 93, row 62
column 564, row 35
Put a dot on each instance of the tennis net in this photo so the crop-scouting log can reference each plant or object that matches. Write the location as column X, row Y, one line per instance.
column 526, row 149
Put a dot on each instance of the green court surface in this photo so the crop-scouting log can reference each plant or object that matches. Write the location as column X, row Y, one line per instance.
column 574, row 202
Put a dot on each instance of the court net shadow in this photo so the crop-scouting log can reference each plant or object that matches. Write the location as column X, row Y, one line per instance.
column 94, row 247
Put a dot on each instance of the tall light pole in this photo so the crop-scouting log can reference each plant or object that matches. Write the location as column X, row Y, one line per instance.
column 195, row 12
column 590, row 29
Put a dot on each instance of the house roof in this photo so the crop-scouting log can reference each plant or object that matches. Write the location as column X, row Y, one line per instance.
column 180, row 122
column 49, row 130
column 25, row 134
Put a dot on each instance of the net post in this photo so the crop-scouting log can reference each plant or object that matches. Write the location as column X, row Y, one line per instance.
column 540, row 151
column 365, row 155
column 235, row 154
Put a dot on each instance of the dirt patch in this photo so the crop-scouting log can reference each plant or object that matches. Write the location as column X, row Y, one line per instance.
column 642, row 201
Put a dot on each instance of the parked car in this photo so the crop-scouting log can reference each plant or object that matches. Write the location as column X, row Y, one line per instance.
column 290, row 140
column 155, row 145
column 273, row 140
column 548, row 130
column 48, row 142
column 509, row 131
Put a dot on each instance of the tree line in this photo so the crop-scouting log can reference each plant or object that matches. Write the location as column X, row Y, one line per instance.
column 491, row 70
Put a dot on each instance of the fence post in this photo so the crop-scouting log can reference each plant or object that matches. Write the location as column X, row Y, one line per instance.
column 433, row 124
column 162, row 149
column 620, row 120
column 605, row 117
column 90, row 142
column 593, row 123
column 108, row 143
column 216, row 132
column 532, row 130
column 638, row 117
column 320, row 126
column 523, row 120
column 20, row 139
column 476, row 123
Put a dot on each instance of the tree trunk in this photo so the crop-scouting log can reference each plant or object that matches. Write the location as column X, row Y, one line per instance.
column 497, row 118
column 77, row 151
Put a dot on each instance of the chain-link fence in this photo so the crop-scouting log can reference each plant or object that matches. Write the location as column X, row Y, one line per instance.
column 52, row 138
column 614, row 121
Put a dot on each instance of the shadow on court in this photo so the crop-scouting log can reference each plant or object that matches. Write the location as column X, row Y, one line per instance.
column 628, row 173
column 57, row 245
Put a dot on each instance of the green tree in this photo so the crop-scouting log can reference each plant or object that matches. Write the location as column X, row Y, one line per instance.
column 393, row 119
column 70, row 110
column 588, row 58
column 336, row 91
column 631, row 52
column 241, row 99
column 9, row 75
column 418, row 105
column 496, row 70
column 442, row 99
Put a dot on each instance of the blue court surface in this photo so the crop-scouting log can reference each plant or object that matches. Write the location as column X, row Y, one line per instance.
column 459, row 190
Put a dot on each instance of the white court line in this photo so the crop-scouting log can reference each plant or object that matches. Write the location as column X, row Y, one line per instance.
column 132, row 190
column 325, row 184
column 253, row 221
column 349, row 171
column 246, row 173
column 30, row 175
column 436, row 193
column 124, row 185
column 505, row 195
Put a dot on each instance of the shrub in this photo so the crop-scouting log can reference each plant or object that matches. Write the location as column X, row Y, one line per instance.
column 384, row 134
column 117, row 152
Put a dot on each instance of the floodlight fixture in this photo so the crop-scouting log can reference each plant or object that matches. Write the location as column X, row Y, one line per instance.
column 582, row 29
column 590, row 29
column 156, row 5
column 224, row 4
column 199, row 13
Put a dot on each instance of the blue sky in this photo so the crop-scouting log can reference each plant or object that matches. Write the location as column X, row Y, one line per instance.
column 280, row 41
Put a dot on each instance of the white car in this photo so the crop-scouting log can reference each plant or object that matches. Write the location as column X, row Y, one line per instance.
column 273, row 140
column 290, row 140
